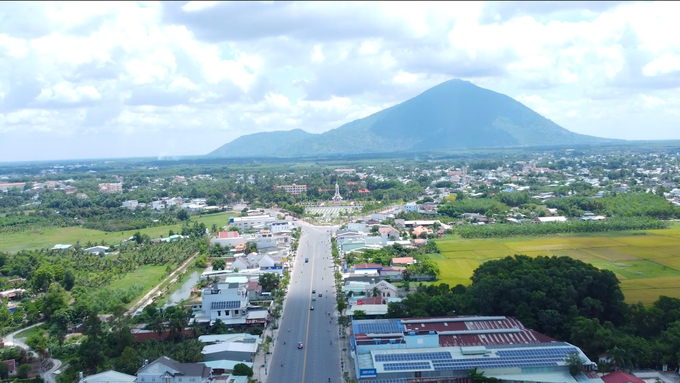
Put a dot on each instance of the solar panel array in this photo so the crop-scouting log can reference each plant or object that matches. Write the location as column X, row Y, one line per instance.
column 381, row 326
column 563, row 351
column 225, row 305
column 406, row 366
column 413, row 356
column 470, row 364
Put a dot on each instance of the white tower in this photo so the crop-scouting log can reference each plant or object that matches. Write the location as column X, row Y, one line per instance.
column 337, row 197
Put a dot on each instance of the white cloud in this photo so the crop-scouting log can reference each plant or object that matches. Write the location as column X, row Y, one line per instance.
column 219, row 70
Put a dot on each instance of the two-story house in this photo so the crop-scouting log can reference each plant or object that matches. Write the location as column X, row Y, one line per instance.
column 166, row 370
column 227, row 302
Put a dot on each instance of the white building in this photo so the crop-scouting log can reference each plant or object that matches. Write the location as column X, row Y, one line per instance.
column 166, row 370
column 411, row 207
column 158, row 205
column 280, row 227
column 227, row 302
column 97, row 250
column 244, row 223
column 131, row 204
column 108, row 377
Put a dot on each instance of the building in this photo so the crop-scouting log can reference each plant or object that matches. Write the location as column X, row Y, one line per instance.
column 293, row 189
column 225, row 301
column 60, row 247
column 12, row 364
column 131, row 204
column 411, row 207
column 621, row 377
column 4, row 187
column 402, row 261
column 550, row 219
column 444, row 349
column 97, row 250
column 166, row 370
column 280, row 227
column 108, row 377
column 243, row 351
column 111, row 188
column 244, row 223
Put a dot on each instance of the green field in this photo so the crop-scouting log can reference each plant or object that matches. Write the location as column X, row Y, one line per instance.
column 48, row 237
column 647, row 265
column 147, row 276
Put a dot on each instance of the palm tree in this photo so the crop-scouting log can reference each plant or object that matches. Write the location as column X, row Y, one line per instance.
column 157, row 324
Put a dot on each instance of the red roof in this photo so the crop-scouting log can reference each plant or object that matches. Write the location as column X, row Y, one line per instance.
column 523, row 336
column 621, row 377
column 370, row 301
column 368, row 266
column 228, row 234
column 11, row 363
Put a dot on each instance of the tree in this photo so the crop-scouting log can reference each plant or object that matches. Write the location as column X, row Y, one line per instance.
column 4, row 371
column 183, row 215
column 269, row 281
column 359, row 314
column 575, row 363
column 128, row 362
column 55, row 300
column 219, row 264
column 241, row 369
column 37, row 342
column 24, row 370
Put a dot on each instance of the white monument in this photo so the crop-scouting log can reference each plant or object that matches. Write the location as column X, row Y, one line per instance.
column 337, row 197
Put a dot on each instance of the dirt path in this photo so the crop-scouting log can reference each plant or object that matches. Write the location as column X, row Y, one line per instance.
column 154, row 291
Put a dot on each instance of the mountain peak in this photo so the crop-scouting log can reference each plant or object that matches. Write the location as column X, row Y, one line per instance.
column 453, row 115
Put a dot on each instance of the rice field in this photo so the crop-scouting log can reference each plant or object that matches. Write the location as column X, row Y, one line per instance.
column 647, row 265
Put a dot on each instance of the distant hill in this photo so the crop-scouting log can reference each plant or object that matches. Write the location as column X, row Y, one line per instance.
column 453, row 115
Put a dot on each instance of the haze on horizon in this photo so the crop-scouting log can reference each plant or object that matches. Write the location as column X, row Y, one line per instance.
column 123, row 79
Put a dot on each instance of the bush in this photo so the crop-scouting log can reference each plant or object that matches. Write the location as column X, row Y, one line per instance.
column 241, row 369
column 24, row 370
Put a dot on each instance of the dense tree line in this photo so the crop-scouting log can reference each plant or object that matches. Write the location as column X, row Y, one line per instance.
column 562, row 298
column 617, row 205
column 531, row 229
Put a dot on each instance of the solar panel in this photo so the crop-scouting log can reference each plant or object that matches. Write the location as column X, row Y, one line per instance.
column 225, row 305
column 378, row 326
column 413, row 356
column 406, row 366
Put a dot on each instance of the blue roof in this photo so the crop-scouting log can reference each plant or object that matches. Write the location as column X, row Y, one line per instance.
column 385, row 381
column 377, row 326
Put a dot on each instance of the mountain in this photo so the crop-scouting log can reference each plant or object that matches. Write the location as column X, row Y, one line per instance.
column 453, row 115
column 263, row 144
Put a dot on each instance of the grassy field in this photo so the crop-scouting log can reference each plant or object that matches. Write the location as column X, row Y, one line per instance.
column 647, row 265
column 146, row 276
column 48, row 237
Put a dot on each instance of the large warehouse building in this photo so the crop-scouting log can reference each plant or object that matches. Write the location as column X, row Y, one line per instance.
column 444, row 349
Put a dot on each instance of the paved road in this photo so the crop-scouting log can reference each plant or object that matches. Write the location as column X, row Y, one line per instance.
column 12, row 340
column 318, row 360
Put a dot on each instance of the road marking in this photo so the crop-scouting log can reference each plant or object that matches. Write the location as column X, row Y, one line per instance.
column 309, row 315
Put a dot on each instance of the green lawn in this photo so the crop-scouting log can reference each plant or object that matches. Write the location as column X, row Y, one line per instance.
column 647, row 265
column 48, row 237
column 146, row 276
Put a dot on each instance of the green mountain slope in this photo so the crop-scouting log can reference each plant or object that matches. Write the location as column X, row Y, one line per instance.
column 453, row 115
column 262, row 144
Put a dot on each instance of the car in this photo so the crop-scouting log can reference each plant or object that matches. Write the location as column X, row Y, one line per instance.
column 313, row 291
column 300, row 345
column 306, row 260
column 313, row 298
column 311, row 307
column 320, row 295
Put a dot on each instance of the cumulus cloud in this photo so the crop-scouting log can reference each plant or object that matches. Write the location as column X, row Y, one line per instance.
column 178, row 78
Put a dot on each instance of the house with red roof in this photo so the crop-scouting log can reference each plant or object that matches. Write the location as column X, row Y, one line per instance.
column 621, row 377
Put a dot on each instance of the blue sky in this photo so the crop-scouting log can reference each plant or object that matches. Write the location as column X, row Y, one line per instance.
column 91, row 80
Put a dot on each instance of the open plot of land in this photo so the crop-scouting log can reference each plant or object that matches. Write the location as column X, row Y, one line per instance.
column 647, row 265
column 145, row 276
column 48, row 237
